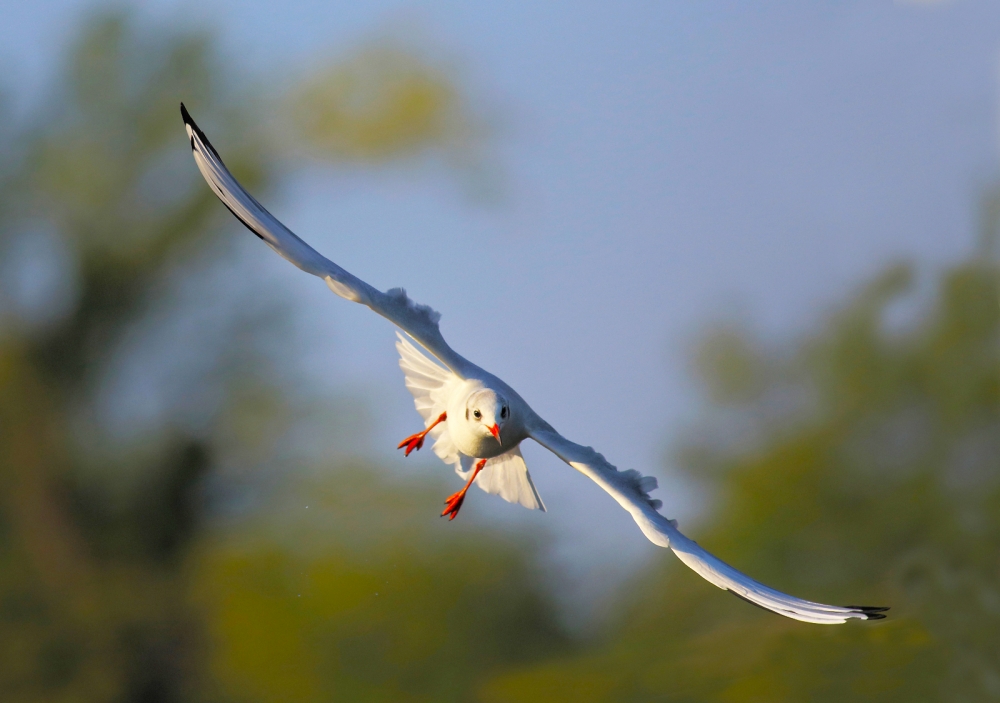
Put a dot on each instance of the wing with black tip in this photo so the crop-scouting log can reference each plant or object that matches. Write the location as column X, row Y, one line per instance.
column 631, row 490
column 419, row 321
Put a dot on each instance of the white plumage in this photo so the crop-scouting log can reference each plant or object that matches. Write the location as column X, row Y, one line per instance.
column 433, row 387
column 472, row 415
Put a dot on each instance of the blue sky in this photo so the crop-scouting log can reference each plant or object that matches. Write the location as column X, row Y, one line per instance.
column 667, row 165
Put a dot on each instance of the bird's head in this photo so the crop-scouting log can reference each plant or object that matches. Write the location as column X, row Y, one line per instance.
column 488, row 411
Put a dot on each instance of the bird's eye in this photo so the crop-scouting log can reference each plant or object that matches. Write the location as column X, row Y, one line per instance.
column 477, row 414
column 503, row 412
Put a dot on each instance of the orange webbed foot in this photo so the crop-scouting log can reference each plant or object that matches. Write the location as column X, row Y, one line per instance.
column 412, row 443
column 453, row 504
column 415, row 441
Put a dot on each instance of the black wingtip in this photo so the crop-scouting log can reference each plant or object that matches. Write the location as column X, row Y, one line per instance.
column 870, row 612
column 868, row 608
column 189, row 121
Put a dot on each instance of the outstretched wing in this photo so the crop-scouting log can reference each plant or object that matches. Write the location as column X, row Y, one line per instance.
column 419, row 321
column 431, row 387
column 631, row 490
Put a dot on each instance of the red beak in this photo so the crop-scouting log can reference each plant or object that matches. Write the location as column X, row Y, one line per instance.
column 495, row 431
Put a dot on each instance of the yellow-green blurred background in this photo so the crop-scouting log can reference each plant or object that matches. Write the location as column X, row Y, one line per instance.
column 192, row 510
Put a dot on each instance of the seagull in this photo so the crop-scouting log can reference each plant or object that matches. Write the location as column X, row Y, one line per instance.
column 478, row 422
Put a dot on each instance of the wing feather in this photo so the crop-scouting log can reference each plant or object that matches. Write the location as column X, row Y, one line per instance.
column 419, row 321
column 431, row 387
column 631, row 490
column 507, row 476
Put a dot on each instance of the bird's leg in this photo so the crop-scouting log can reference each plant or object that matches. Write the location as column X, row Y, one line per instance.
column 454, row 502
column 415, row 441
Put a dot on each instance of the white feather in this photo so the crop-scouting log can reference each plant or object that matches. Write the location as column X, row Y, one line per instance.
column 431, row 386
column 506, row 476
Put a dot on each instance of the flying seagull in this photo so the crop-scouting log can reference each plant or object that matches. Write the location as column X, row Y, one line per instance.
column 478, row 422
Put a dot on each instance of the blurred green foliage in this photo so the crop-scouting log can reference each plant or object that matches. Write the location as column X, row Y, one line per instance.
column 380, row 103
column 859, row 462
column 404, row 610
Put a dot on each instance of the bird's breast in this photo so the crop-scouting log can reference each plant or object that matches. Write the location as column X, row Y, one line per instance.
column 473, row 443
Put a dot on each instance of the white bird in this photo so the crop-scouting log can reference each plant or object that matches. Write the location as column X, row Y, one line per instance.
column 478, row 422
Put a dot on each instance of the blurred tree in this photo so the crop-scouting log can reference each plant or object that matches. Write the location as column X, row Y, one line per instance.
column 381, row 103
column 366, row 603
column 861, row 464
column 113, row 586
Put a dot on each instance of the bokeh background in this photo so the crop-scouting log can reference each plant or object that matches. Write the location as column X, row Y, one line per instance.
column 751, row 249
